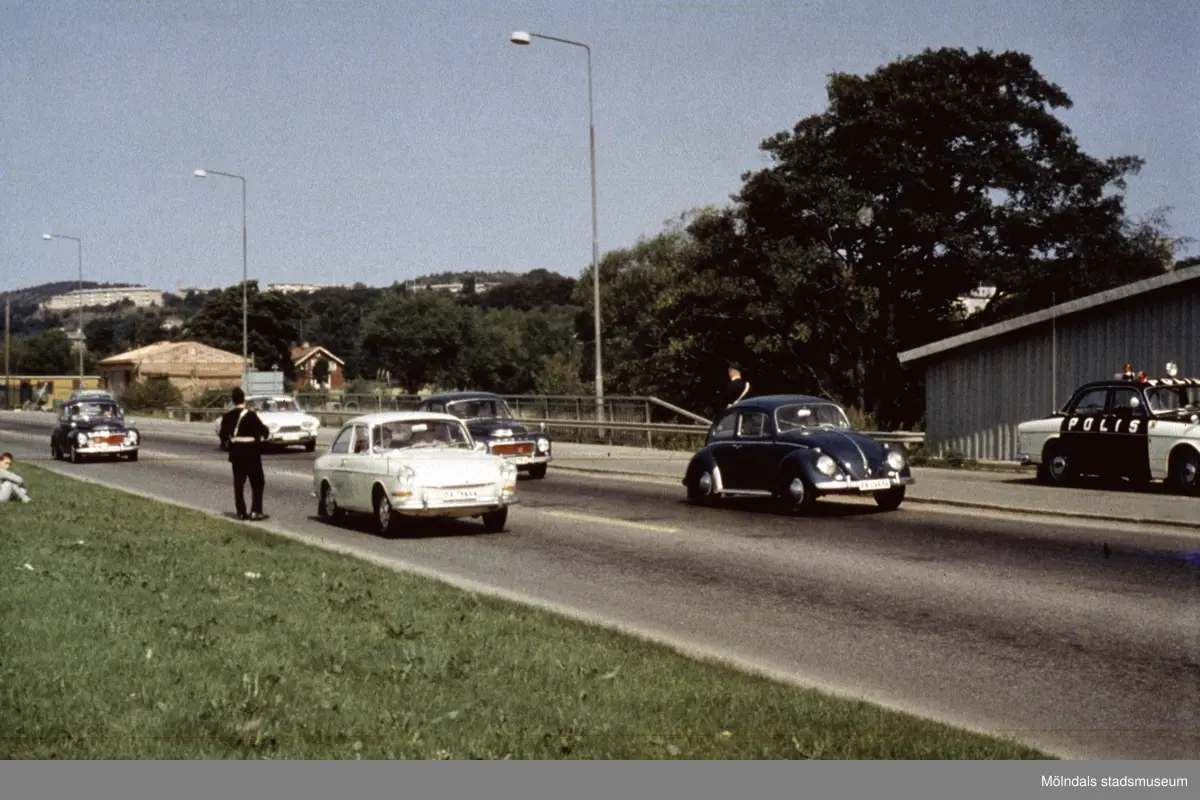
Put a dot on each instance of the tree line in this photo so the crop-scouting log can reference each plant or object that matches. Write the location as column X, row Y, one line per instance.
column 918, row 182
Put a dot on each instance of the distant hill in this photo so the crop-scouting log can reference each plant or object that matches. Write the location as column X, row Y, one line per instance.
column 44, row 291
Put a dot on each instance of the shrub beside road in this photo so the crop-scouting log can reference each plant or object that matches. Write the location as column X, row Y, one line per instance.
column 137, row 630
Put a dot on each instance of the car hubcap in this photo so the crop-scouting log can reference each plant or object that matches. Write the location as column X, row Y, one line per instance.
column 796, row 487
column 705, row 483
column 1188, row 473
column 1058, row 466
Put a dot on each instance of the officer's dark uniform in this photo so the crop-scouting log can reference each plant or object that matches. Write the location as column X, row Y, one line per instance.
column 244, row 431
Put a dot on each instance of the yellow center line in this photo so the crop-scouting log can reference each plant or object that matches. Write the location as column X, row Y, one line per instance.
column 645, row 526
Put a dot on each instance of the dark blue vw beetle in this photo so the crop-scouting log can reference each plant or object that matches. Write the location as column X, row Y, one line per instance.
column 794, row 448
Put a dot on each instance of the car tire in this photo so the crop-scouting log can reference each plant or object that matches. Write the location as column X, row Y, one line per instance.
column 537, row 471
column 133, row 456
column 890, row 499
column 75, row 457
column 1056, row 469
column 698, row 492
column 55, row 453
column 494, row 521
column 797, row 494
column 311, row 446
column 327, row 507
column 1185, row 471
column 387, row 522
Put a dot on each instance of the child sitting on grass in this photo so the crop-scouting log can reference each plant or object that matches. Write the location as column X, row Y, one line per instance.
column 12, row 485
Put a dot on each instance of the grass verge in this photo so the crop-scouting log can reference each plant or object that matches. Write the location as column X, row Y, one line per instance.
column 139, row 630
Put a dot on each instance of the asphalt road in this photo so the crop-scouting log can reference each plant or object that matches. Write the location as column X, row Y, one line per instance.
column 1018, row 626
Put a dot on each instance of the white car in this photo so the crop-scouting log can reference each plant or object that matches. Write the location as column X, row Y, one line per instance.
column 288, row 423
column 402, row 464
column 1130, row 426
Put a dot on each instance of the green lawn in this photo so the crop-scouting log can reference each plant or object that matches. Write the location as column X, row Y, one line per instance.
column 148, row 631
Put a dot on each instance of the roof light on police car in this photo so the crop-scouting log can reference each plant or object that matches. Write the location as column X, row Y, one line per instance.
column 1172, row 369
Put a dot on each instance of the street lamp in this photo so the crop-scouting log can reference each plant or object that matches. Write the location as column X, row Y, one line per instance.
column 79, row 243
column 524, row 38
column 204, row 173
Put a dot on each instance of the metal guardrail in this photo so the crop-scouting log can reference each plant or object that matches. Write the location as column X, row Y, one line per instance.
column 906, row 438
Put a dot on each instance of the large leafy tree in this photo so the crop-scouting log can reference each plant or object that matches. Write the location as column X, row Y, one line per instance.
column 271, row 325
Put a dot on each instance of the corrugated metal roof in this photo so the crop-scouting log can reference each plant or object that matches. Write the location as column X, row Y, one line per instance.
column 1045, row 315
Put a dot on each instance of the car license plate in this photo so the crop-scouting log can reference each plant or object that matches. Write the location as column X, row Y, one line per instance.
column 523, row 460
column 874, row 486
column 458, row 494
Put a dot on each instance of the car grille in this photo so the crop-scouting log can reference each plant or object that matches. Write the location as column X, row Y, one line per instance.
column 513, row 449
column 108, row 438
column 290, row 429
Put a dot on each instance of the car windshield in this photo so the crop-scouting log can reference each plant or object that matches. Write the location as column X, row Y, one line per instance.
column 1173, row 398
column 419, row 433
column 273, row 404
column 795, row 416
column 482, row 408
column 96, row 410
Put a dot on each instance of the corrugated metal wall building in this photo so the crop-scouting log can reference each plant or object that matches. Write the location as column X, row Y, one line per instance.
column 979, row 386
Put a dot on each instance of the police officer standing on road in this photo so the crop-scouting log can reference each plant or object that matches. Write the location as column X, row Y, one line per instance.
column 737, row 388
column 244, row 431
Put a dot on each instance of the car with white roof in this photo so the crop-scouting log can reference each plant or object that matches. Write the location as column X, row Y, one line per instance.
column 288, row 423
column 1130, row 426
column 401, row 465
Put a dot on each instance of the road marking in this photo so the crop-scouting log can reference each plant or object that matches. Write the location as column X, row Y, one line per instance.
column 645, row 526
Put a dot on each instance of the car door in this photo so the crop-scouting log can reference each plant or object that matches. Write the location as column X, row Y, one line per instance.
column 1125, row 429
column 720, row 444
column 751, row 467
column 333, row 464
column 354, row 470
column 1081, row 429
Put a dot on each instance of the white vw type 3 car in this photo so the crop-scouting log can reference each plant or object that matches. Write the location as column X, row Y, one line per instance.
column 403, row 464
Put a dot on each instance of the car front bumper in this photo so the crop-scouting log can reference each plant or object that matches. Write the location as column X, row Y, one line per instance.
column 111, row 449
column 859, row 487
column 293, row 437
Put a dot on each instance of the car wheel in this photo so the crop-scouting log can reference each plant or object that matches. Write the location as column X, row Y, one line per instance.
column 1185, row 471
column 494, row 521
column 75, row 457
column 537, row 471
column 890, row 499
column 701, row 489
column 133, row 456
column 387, row 521
column 1056, row 470
column 798, row 495
column 311, row 446
column 327, row 507
column 55, row 453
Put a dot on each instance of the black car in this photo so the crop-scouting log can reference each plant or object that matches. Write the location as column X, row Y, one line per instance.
column 794, row 448
column 92, row 425
column 491, row 421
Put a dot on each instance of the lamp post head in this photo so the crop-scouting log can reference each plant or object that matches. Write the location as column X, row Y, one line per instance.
column 520, row 37
column 47, row 236
column 199, row 174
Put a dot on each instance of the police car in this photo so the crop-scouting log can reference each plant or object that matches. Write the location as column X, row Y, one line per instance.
column 1131, row 426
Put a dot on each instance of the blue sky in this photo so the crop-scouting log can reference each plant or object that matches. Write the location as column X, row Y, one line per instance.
column 382, row 141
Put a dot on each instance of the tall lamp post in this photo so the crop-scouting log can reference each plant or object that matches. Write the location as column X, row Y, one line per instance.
column 523, row 37
column 204, row 173
column 79, row 339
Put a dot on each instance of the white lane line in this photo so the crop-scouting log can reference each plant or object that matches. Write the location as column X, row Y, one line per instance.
column 644, row 526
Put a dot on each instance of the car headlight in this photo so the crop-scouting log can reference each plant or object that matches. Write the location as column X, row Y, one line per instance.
column 131, row 437
column 508, row 471
column 273, row 426
column 826, row 464
column 406, row 474
column 309, row 424
column 895, row 460
column 543, row 444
